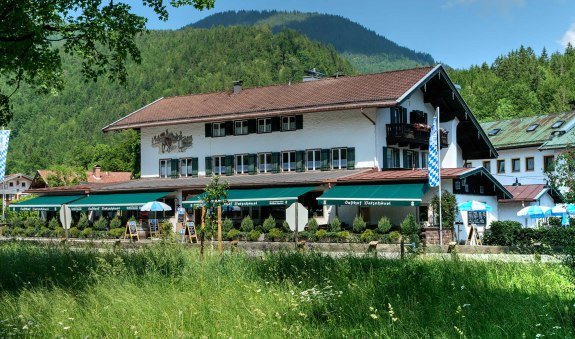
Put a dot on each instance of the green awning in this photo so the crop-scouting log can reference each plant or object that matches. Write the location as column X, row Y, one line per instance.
column 375, row 195
column 257, row 196
column 116, row 201
column 44, row 203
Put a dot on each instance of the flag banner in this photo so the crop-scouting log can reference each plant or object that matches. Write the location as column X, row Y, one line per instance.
column 433, row 156
column 4, row 136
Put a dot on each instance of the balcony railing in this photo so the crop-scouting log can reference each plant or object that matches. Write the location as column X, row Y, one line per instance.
column 412, row 135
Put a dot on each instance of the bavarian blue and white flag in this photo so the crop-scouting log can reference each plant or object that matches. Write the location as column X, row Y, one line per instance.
column 4, row 136
column 433, row 157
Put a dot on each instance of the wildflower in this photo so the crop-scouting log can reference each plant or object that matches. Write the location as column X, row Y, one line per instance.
column 462, row 287
column 373, row 316
column 537, row 325
column 556, row 327
column 459, row 331
column 25, row 327
column 391, row 313
column 539, row 335
column 466, row 305
column 66, row 328
column 258, row 290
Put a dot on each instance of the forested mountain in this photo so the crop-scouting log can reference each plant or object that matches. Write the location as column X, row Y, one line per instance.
column 65, row 128
column 520, row 84
column 365, row 49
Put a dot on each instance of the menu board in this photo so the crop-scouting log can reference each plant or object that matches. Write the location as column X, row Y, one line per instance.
column 477, row 218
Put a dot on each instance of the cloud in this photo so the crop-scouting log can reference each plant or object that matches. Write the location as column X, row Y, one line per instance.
column 498, row 6
column 569, row 36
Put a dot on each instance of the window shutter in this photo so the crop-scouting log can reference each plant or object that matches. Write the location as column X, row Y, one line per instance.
column 276, row 124
column 299, row 121
column 325, row 159
column 350, row 158
column 208, row 130
column 174, row 168
column 384, row 164
column 405, row 159
column 194, row 167
column 404, row 115
column 208, row 166
column 252, row 160
column 299, row 156
column 416, row 156
column 229, row 127
column 252, row 126
column 230, row 165
column 275, row 162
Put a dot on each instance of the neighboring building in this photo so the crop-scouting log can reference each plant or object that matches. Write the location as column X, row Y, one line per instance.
column 15, row 185
column 527, row 195
column 527, row 147
column 96, row 176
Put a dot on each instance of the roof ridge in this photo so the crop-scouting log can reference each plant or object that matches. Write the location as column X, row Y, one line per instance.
column 530, row 117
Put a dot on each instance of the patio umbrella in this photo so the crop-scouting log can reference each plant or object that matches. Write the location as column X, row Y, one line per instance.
column 570, row 208
column 155, row 206
column 534, row 212
column 475, row 206
column 558, row 210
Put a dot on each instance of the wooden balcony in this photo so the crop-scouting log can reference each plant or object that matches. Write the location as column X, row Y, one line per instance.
column 408, row 135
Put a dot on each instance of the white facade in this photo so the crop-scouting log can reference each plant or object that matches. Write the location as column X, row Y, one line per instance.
column 508, row 210
column 15, row 186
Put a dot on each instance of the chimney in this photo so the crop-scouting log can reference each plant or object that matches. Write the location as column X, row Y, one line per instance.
column 312, row 75
column 238, row 86
column 96, row 172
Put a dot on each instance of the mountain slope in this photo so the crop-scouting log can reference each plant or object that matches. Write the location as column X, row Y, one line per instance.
column 65, row 128
column 366, row 50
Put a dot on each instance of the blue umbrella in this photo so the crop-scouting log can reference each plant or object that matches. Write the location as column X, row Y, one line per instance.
column 570, row 208
column 476, row 206
column 534, row 212
column 155, row 206
column 565, row 220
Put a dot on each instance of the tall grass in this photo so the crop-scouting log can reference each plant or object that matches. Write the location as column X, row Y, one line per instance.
column 167, row 291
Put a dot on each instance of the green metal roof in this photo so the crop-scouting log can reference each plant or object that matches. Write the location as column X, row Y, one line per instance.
column 567, row 139
column 44, row 203
column 257, row 197
column 375, row 195
column 513, row 133
column 115, row 202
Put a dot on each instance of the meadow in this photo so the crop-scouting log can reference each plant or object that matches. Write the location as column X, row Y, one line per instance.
column 166, row 291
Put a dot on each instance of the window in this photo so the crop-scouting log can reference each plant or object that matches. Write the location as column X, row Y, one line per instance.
column 558, row 124
column 410, row 158
column 481, row 189
column 219, row 129
column 219, row 165
column 458, row 185
column 529, row 164
column 11, row 184
column 241, row 163
column 265, row 125
column 288, row 161
column 418, row 117
column 500, row 166
column 467, row 164
column 548, row 163
column 532, row 127
column 494, row 131
column 339, row 158
column 515, row 165
column 186, row 167
column 265, row 162
column 313, row 160
column 487, row 165
column 23, row 184
column 165, row 168
column 424, row 159
column 392, row 157
column 288, row 123
column 241, row 127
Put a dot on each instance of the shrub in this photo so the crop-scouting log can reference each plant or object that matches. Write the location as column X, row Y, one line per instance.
column 87, row 233
column 502, row 233
column 275, row 234
column 59, row 232
column 335, row 225
column 53, row 224
column 247, row 224
column 166, row 229
column 83, row 222
column 115, row 222
column 101, row 224
column 74, row 232
column 312, row 225
column 268, row 224
column 394, row 237
column 384, row 225
column 233, row 234
column 321, row 234
column 409, row 225
column 227, row 225
column 254, row 235
column 343, row 235
column 367, row 236
column 44, row 232
column 358, row 224
column 285, row 226
column 116, row 232
column 29, row 232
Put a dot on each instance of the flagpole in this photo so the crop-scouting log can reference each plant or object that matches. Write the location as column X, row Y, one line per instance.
column 439, row 171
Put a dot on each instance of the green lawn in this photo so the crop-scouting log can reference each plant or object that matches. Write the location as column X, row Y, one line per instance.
column 167, row 291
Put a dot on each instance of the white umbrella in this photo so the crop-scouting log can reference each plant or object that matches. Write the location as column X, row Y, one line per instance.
column 534, row 212
column 155, row 206
column 559, row 210
column 476, row 206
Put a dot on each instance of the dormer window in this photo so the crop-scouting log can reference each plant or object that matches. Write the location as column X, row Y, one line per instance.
column 494, row 131
column 558, row 124
column 532, row 127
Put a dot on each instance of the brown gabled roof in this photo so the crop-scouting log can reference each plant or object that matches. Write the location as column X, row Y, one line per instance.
column 108, row 177
column 405, row 175
column 525, row 193
column 372, row 90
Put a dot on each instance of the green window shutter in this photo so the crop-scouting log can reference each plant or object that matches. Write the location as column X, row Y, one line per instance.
column 208, row 166
column 194, row 167
column 416, row 156
column 405, row 159
column 276, row 162
column 252, row 126
column 384, row 164
column 350, row 158
column 299, row 121
column 397, row 156
column 230, row 165
column 404, row 115
column 325, row 159
column 252, row 160
column 299, row 161
column 276, row 124
column 175, row 168
column 208, row 130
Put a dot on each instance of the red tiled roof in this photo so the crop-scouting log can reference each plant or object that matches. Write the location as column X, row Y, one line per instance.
column 524, row 192
column 108, row 177
column 372, row 90
column 404, row 175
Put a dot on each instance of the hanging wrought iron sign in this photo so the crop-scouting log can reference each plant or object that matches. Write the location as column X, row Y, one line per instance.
column 168, row 142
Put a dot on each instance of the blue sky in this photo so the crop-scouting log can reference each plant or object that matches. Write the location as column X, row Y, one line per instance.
column 456, row 32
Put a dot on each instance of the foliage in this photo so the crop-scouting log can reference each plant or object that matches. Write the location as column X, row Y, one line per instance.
column 285, row 227
column 61, row 175
column 54, row 224
column 166, row 229
column 214, row 197
column 409, row 225
column 227, row 225
column 448, row 209
column 502, row 233
column 247, row 224
column 233, row 234
column 335, row 225
column 268, row 224
column 74, row 232
column 116, row 232
column 384, row 225
column 83, row 222
column 254, row 235
column 394, row 237
column 321, row 234
column 562, row 175
column 101, row 224
column 115, row 222
column 367, row 236
column 343, row 235
column 275, row 234
column 87, row 232
column 358, row 224
column 312, row 225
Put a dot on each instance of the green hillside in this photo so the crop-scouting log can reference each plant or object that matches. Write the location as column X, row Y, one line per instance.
column 365, row 49
column 65, row 128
